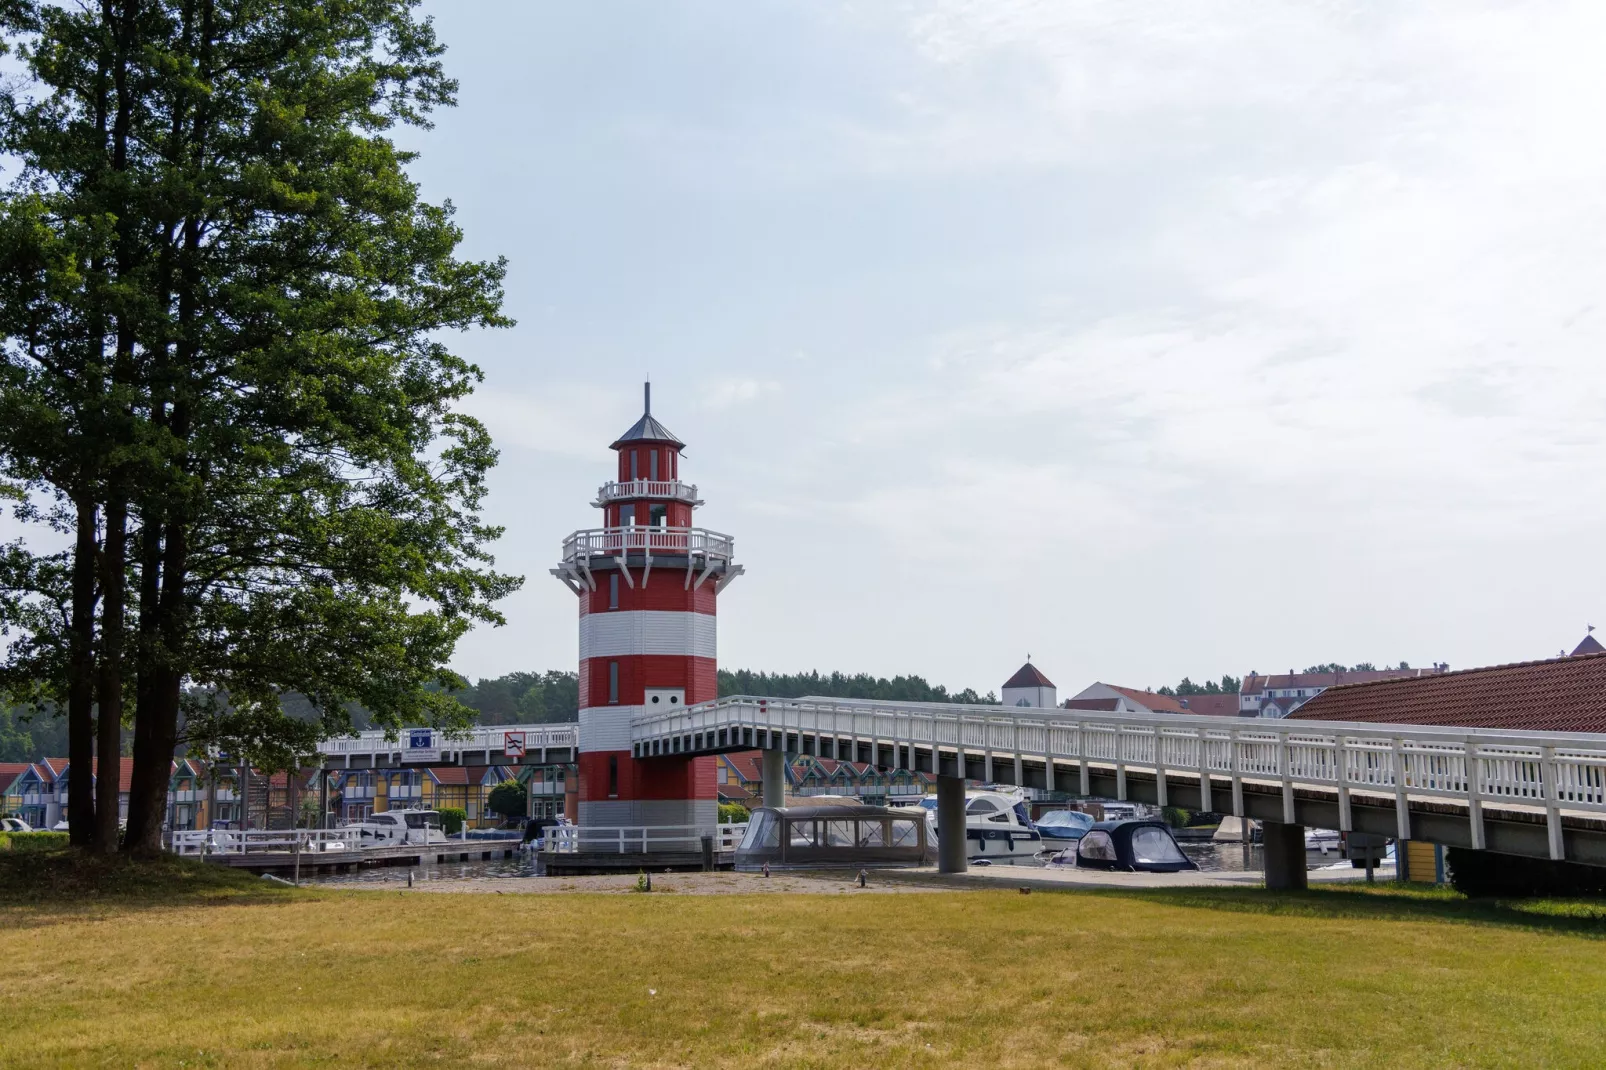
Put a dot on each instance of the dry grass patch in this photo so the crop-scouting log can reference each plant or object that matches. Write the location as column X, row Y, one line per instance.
column 975, row 978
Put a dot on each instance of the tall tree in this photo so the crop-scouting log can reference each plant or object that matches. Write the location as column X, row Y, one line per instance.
column 281, row 448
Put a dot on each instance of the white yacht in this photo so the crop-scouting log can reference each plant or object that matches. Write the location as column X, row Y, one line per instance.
column 396, row 827
column 997, row 827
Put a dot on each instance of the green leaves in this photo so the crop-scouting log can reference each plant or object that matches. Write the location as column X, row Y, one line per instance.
column 223, row 299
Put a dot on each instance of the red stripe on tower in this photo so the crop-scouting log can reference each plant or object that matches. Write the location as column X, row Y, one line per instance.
column 647, row 583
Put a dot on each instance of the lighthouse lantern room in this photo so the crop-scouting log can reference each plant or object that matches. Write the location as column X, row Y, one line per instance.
column 648, row 584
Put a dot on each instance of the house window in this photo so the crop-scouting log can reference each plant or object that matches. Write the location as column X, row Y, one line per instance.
column 613, row 681
column 613, row 590
column 613, row 776
column 652, row 465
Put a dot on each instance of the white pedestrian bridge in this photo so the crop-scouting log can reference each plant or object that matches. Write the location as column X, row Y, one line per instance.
column 502, row 744
column 1540, row 794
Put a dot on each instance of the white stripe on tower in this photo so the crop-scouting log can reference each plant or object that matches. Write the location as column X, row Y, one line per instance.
column 630, row 632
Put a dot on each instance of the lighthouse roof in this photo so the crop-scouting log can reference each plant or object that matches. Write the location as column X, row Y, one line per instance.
column 647, row 429
column 1590, row 645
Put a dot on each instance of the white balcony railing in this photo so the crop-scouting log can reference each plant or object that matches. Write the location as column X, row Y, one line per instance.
column 580, row 547
column 672, row 489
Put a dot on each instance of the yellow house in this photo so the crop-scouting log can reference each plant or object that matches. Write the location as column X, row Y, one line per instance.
column 466, row 789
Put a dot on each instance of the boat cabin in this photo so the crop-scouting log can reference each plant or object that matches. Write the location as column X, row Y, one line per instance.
column 834, row 837
column 1144, row 846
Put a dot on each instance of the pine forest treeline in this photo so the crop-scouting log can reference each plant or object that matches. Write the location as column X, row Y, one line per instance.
column 226, row 385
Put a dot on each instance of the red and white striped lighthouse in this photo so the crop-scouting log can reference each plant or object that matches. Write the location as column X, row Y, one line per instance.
column 648, row 583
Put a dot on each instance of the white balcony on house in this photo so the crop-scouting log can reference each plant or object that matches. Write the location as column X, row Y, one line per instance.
column 633, row 489
column 582, row 546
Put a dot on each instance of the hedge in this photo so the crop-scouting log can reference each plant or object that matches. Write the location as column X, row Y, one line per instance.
column 31, row 841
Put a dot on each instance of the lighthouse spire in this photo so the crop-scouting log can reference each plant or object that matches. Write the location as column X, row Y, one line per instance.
column 646, row 398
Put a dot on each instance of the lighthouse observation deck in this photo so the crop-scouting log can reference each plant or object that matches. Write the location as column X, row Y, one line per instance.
column 634, row 489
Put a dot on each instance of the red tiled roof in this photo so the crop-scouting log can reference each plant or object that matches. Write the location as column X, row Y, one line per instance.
column 10, row 771
column 1157, row 703
column 1253, row 685
column 450, row 775
column 1028, row 676
column 1090, row 703
column 747, row 763
column 1556, row 695
column 1210, row 705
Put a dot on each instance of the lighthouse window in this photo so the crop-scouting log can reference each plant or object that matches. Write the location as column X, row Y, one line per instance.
column 652, row 464
column 658, row 514
column 633, row 456
column 613, row 591
column 613, row 775
column 627, row 516
column 613, row 681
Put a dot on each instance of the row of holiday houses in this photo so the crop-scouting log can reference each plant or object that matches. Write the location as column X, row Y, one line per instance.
column 202, row 796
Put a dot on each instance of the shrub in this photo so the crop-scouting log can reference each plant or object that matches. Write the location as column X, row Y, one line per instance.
column 1484, row 874
column 31, row 841
column 1176, row 816
column 508, row 799
column 452, row 819
column 733, row 813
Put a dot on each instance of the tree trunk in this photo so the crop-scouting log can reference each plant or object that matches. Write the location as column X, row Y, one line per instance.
column 110, row 734
column 81, row 682
column 158, row 717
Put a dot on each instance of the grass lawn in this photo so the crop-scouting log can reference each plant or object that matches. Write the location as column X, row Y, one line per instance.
column 224, row 976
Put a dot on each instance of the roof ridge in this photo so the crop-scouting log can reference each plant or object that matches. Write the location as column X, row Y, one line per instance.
column 1452, row 673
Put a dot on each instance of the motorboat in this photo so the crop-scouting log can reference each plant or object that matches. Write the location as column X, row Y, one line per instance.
column 1132, row 846
column 1324, row 846
column 1062, row 827
column 396, row 827
column 998, row 830
column 835, row 837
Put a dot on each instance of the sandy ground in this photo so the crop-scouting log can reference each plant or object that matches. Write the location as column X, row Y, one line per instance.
column 894, row 881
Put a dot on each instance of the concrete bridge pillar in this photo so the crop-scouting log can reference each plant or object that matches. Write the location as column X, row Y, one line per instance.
column 952, row 845
column 774, row 773
column 1285, row 856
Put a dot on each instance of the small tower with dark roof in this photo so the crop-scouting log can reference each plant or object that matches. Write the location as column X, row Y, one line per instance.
column 1029, row 687
column 1589, row 645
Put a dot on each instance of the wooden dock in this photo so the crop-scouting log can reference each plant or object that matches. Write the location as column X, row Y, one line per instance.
column 344, row 861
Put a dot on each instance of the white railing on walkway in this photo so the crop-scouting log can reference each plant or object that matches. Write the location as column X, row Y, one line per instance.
column 581, row 546
column 648, row 488
column 435, row 743
column 1549, row 771
column 641, row 839
column 251, row 841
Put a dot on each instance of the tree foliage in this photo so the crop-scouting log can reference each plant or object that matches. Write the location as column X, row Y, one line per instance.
column 509, row 798
column 224, row 377
column 843, row 685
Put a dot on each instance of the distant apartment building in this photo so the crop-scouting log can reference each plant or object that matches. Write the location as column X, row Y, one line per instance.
column 1281, row 695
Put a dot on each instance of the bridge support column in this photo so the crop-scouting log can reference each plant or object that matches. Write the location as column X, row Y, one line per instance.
column 1285, row 856
column 952, row 845
column 774, row 773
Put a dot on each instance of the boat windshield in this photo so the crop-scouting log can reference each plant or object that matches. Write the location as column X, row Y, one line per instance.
column 1151, row 846
column 423, row 821
column 1066, row 819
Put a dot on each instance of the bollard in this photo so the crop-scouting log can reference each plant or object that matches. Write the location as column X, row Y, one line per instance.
column 409, row 878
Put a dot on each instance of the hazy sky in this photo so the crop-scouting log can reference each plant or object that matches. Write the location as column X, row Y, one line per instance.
column 1151, row 338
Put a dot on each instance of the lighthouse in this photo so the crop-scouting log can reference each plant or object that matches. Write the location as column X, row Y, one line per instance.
column 648, row 583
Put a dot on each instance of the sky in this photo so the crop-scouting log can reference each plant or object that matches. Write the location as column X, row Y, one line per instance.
column 1149, row 338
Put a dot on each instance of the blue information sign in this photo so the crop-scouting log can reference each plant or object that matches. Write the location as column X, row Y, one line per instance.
column 420, row 738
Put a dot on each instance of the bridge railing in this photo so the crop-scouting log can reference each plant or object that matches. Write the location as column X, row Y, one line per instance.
column 641, row 839
column 482, row 738
column 1551, row 770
